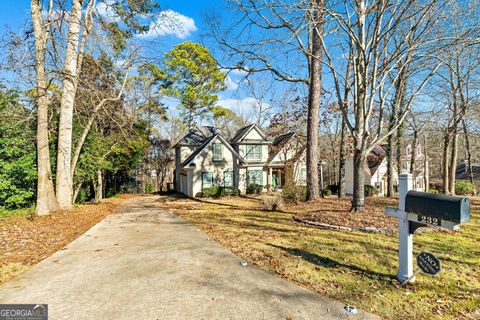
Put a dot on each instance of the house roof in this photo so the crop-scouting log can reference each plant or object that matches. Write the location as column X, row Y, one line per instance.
column 375, row 158
column 207, row 142
column 242, row 132
column 461, row 172
column 278, row 144
column 196, row 136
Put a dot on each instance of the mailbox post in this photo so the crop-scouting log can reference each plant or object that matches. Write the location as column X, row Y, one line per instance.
column 405, row 239
column 421, row 209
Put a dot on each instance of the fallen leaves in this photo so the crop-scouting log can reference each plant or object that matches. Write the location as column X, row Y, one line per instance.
column 334, row 211
column 25, row 242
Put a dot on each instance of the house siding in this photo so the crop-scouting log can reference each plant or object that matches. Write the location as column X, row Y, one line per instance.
column 204, row 163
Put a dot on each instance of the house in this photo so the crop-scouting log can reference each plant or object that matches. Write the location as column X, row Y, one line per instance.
column 461, row 172
column 376, row 169
column 204, row 158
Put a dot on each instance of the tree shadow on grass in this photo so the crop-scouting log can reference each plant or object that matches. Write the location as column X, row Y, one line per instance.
column 330, row 263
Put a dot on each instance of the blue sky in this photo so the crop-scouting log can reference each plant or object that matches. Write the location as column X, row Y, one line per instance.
column 16, row 13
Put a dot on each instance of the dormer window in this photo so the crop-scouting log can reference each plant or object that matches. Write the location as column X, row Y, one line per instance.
column 217, row 151
column 253, row 152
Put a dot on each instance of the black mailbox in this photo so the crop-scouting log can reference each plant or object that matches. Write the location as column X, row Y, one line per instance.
column 438, row 207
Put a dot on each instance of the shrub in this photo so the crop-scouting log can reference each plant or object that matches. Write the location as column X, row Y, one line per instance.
column 432, row 190
column 213, row 191
column 293, row 194
column 326, row 192
column 254, row 188
column 229, row 191
column 218, row 191
column 272, row 202
column 369, row 190
column 464, row 188
column 149, row 187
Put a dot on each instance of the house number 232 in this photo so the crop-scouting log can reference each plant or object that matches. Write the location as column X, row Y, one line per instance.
column 429, row 220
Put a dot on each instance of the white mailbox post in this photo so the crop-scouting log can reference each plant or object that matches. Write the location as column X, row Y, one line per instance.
column 421, row 209
column 405, row 239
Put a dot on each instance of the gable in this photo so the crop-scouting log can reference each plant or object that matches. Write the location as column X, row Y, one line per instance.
column 250, row 133
column 205, row 152
column 253, row 135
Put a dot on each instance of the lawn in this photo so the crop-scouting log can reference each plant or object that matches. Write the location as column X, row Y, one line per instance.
column 355, row 267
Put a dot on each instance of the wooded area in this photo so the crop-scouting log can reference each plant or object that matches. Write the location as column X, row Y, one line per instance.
column 84, row 116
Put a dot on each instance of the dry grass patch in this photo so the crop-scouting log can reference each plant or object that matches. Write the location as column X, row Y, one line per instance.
column 354, row 267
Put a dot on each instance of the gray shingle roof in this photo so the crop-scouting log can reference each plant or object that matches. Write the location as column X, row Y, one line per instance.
column 205, row 144
column 196, row 136
column 278, row 144
column 461, row 172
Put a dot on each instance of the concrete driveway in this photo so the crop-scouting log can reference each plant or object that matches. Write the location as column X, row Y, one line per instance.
column 145, row 263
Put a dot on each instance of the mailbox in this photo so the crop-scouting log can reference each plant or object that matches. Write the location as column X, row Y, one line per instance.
column 435, row 208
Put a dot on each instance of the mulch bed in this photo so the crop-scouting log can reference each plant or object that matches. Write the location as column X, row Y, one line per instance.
column 25, row 242
column 336, row 212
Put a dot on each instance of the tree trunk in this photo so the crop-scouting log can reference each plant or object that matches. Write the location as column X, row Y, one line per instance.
column 445, row 175
column 46, row 200
column 64, row 149
column 98, row 186
column 390, row 166
column 413, row 156
column 400, row 133
column 358, row 201
column 426, row 169
column 469, row 156
column 342, row 157
column 343, row 103
column 76, row 192
column 453, row 160
column 314, row 94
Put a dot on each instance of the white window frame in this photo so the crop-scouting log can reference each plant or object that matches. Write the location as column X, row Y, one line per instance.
column 205, row 173
column 217, row 154
column 249, row 154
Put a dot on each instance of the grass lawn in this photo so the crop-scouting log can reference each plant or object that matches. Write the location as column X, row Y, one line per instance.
column 357, row 268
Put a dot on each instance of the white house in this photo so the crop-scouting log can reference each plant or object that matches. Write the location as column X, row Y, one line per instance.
column 203, row 158
column 376, row 169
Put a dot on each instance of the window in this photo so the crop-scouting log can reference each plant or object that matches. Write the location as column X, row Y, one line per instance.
column 217, row 151
column 303, row 174
column 207, row 180
column 228, row 178
column 253, row 152
column 255, row 177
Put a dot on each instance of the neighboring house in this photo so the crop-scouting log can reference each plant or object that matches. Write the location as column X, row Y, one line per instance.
column 461, row 172
column 376, row 169
column 203, row 158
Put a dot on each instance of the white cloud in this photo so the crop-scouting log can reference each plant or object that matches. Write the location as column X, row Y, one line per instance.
column 106, row 11
column 170, row 23
column 231, row 84
column 244, row 107
column 239, row 72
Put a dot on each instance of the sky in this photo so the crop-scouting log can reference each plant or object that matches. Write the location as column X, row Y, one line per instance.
column 190, row 13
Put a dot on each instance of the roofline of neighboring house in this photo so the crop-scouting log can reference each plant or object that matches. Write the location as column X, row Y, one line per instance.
column 189, row 160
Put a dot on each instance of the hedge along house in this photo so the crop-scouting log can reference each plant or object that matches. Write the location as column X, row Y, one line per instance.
column 250, row 161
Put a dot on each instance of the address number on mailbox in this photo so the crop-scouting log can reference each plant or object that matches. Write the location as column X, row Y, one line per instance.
column 429, row 220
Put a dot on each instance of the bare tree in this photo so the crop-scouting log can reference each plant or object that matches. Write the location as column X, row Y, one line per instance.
column 283, row 31
column 385, row 37
column 46, row 200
